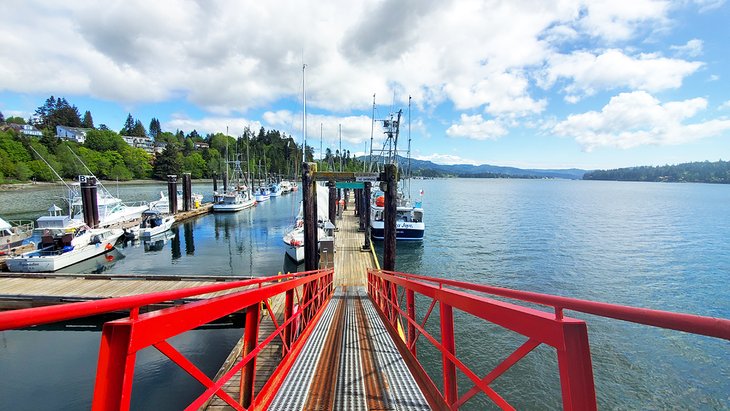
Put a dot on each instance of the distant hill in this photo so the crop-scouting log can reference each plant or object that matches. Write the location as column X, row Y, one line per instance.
column 431, row 169
column 697, row 172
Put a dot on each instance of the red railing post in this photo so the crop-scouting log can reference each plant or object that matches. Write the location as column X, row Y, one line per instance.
column 250, row 341
column 449, row 345
column 115, row 370
column 288, row 311
column 411, row 310
column 394, row 306
column 576, row 369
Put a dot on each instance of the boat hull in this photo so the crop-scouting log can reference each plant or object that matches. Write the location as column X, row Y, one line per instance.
column 233, row 207
column 261, row 197
column 404, row 231
column 295, row 253
column 34, row 263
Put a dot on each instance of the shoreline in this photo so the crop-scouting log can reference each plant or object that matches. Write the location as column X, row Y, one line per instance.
column 44, row 184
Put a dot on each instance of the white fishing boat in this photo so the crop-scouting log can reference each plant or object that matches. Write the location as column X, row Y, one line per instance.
column 262, row 194
column 285, row 187
column 238, row 197
column 60, row 249
column 409, row 224
column 294, row 239
column 13, row 233
column 274, row 190
column 153, row 223
column 163, row 203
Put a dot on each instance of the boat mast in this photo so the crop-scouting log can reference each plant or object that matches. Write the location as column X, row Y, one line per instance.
column 408, row 170
column 341, row 155
column 304, row 114
column 248, row 172
column 372, row 132
column 320, row 143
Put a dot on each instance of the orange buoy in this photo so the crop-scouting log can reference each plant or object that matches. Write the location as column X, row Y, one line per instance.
column 108, row 246
column 380, row 201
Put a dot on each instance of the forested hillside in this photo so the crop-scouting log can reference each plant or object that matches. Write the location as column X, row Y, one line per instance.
column 698, row 172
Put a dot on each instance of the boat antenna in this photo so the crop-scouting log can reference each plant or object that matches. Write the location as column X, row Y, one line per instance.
column 49, row 166
column 248, row 171
column 341, row 147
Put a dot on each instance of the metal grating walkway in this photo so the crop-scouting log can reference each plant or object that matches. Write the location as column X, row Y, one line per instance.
column 349, row 363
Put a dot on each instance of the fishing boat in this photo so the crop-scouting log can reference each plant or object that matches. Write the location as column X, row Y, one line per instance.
column 153, row 223
column 274, row 190
column 285, row 187
column 409, row 225
column 58, row 249
column 163, row 203
column 294, row 239
column 13, row 233
column 262, row 194
column 239, row 196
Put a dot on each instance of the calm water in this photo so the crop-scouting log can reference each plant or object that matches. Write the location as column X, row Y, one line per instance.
column 663, row 246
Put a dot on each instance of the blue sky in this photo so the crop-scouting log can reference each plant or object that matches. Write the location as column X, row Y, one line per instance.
column 537, row 84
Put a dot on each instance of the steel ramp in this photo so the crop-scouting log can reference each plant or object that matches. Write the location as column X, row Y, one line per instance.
column 349, row 363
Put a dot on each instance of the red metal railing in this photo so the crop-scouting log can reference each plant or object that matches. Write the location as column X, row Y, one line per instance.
column 567, row 335
column 122, row 339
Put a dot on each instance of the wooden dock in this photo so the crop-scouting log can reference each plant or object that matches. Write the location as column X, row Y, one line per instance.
column 33, row 290
column 351, row 264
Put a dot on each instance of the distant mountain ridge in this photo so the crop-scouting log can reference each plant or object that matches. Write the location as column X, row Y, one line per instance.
column 429, row 168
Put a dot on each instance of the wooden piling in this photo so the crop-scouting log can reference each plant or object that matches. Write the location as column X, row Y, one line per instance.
column 389, row 211
column 172, row 193
column 309, row 198
column 89, row 202
column 187, row 192
column 366, row 195
column 332, row 201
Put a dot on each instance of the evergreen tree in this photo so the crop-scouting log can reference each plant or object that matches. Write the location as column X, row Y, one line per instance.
column 170, row 161
column 128, row 126
column 155, row 128
column 103, row 127
column 87, row 121
column 2, row 117
column 138, row 130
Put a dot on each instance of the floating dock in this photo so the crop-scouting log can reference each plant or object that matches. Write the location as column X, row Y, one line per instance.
column 25, row 290
column 349, row 361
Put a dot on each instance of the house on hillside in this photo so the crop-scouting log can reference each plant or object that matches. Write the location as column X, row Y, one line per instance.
column 145, row 143
column 76, row 134
column 26, row 130
column 201, row 145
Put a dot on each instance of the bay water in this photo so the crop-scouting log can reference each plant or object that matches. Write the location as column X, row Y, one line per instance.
column 653, row 245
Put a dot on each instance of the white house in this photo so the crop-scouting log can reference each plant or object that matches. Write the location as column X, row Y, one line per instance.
column 144, row 143
column 76, row 134
column 27, row 130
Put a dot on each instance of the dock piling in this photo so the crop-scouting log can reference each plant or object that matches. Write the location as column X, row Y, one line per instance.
column 389, row 211
column 89, row 202
column 187, row 192
column 172, row 193
column 309, row 197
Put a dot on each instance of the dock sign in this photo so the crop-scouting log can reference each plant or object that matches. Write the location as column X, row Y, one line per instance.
column 366, row 177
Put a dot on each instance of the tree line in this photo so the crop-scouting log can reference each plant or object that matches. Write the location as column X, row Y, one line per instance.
column 271, row 153
column 696, row 172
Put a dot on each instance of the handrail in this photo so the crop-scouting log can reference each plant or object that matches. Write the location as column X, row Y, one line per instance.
column 695, row 324
column 27, row 317
column 568, row 336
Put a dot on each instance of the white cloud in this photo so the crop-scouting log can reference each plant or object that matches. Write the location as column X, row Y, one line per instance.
column 445, row 159
column 355, row 129
column 707, row 5
column 234, row 125
column 636, row 119
column 476, row 128
column 588, row 73
column 619, row 20
column 692, row 48
column 724, row 106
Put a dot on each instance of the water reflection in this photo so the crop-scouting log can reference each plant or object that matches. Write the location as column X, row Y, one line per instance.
column 157, row 243
column 189, row 239
column 175, row 246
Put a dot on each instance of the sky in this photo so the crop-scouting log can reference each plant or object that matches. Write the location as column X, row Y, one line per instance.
column 535, row 84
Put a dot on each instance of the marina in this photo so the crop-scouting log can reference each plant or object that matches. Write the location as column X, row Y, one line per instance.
column 410, row 258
